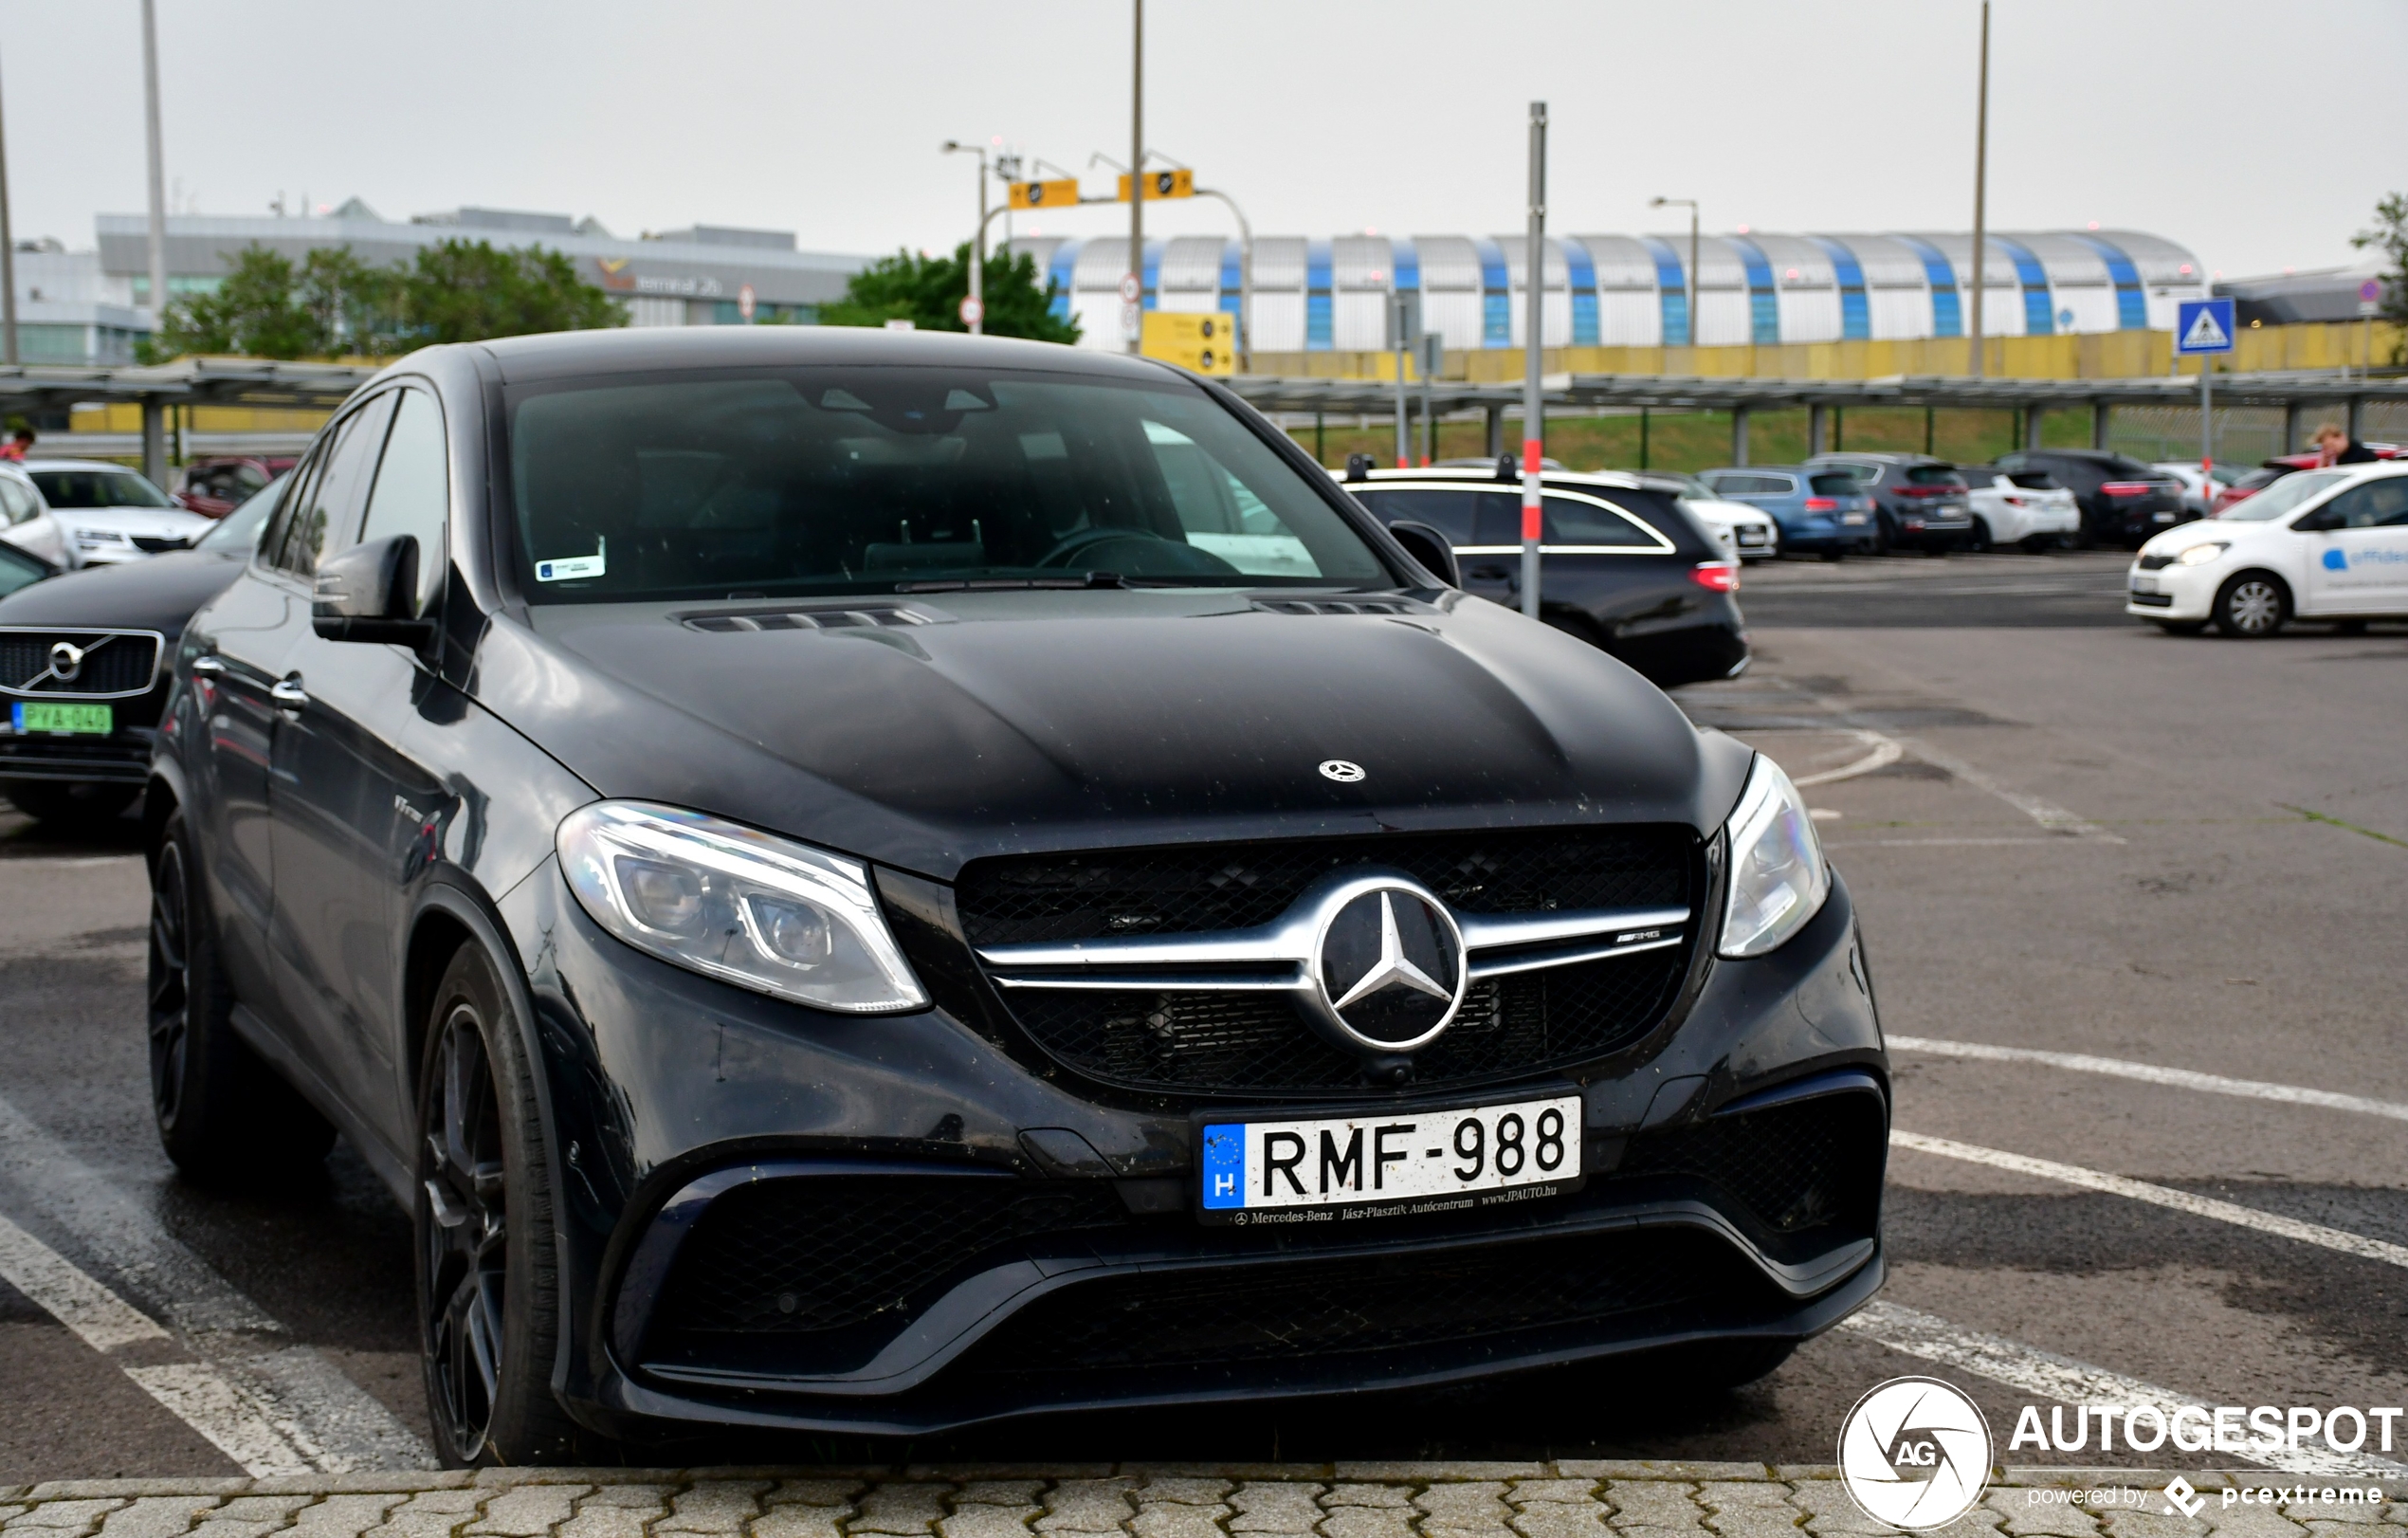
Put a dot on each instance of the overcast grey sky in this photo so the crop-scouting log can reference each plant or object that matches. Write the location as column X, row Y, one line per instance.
column 2260, row 133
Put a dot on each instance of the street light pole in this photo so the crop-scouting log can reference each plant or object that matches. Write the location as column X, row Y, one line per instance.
column 1133, row 311
column 1691, row 204
column 1533, row 384
column 1980, row 186
column 7, row 265
column 158, row 174
column 979, row 247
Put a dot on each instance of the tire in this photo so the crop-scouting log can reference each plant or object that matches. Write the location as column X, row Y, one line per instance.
column 2180, row 627
column 1838, row 552
column 68, row 802
column 1883, row 543
column 1977, row 537
column 2349, row 626
column 487, row 1268
column 2252, row 606
column 2040, row 544
column 222, row 1115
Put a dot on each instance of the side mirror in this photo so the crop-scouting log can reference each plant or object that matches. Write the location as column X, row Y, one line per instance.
column 1429, row 547
column 370, row 592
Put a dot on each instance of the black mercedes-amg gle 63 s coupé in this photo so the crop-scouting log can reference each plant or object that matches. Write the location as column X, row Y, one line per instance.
column 868, row 883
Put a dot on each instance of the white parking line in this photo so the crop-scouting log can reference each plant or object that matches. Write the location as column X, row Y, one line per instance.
column 194, row 1392
column 2161, row 1196
column 2047, row 814
column 334, row 1423
column 2180, row 1078
column 2046, row 1375
column 1886, row 751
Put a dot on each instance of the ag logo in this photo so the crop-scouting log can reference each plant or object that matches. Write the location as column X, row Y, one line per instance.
column 1915, row 1454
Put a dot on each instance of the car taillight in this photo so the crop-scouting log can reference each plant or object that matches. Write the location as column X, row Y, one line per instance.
column 2013, row 501
column 2126, row 488
column 1716, row 575
column 1822, row 504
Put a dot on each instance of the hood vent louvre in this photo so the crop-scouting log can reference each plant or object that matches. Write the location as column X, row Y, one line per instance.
column 1340, row 606
column 863, row 616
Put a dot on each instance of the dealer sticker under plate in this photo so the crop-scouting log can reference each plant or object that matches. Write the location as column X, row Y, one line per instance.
column 1326, row 1169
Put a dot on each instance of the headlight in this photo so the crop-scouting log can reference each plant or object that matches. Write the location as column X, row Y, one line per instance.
column 1778, row 880
column 2200, row 555
column 737, row 905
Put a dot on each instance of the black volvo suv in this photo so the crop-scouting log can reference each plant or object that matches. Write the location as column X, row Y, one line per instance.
column 855, row 881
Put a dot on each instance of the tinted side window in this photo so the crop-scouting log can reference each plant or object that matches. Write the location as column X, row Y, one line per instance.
column 412, row 490
column 1933, row 475
column 1571, row 521
column 320, row 522
column 2377, row 504
column 1449, row 512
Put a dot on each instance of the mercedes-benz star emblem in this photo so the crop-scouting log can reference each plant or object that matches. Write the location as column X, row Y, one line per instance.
column 1390, row 963
column 1341, row 771
column 66, row 660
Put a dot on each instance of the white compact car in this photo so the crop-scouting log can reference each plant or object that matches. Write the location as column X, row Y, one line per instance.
column 112, row 514
column 2197, row 494
column 2024, row 507
column 25, row 521
column 2316, row 544
column 1747, row 532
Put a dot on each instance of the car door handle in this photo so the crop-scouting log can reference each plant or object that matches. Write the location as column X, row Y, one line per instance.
column 209, row 667
column 288, row 694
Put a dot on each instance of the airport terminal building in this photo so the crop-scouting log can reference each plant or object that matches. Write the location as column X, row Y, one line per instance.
column 1328, row 295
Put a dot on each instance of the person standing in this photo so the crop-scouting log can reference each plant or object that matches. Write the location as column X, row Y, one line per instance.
column 19, row 445
column 2335, row 447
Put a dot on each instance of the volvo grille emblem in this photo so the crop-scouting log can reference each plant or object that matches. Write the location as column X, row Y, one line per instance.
column 1390, row 965
column 1340, row 771
column 66, row 660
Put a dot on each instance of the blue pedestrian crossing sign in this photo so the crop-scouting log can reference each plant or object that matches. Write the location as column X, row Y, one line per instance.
column 2203, row 326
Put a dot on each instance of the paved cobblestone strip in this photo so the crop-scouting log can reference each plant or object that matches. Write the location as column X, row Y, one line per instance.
column 1563, row 1500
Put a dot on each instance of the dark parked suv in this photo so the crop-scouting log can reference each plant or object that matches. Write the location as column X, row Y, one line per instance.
column 1918, row 503
column 866, row 882
column 1621, row 565
column 2122, row 500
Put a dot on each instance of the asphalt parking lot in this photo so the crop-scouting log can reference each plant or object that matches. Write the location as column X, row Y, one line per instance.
column 2133, row 906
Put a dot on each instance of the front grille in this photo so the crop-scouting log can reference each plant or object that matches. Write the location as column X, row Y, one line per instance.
column 1793, row 1168
column 1352, row 1304
column 1213, row 1042
column 799, row 1256
column 114, row 662
column 159, row 545
column 2153, row 601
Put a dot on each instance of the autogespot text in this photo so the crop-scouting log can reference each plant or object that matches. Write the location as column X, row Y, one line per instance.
column 2198, row 1428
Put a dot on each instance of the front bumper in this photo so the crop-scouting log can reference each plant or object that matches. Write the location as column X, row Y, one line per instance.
column 2179, row 592
column 673, row 1097
column 121, row 757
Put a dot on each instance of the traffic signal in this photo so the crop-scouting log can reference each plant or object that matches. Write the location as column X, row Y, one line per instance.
column 1180, row 183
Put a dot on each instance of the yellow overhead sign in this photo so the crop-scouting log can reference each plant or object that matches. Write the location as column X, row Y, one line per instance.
column 1046, row 194
column 1206, row 343
column 1164, row 184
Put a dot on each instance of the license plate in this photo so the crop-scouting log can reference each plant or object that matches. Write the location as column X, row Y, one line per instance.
column 2145, row 584
column 2160, row 518
column 44, row 716
column 1325, row 1170
column 1852, row 517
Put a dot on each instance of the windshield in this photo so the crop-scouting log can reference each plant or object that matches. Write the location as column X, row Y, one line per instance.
column 901, row 478
column 98, row 488
column 1933, row 475
column 238, row 530
column 2283, row 496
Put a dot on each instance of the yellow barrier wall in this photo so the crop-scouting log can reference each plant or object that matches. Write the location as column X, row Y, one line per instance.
column 2108, row 354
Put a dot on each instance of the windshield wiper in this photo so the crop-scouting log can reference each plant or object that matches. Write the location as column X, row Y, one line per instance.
column 1002, row 584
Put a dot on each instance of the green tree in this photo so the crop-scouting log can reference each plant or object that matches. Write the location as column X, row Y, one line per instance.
column 2390, row 236
column 334, row 304
column 929, row 292
column 467, row 291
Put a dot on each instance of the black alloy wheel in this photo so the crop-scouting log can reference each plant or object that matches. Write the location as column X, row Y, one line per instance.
column 1977, row 537
column 487, row 1281
column 1884, row 542
column 2252, row 606
column 222, row 1115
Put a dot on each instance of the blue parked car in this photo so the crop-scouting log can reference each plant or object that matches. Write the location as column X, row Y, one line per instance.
column 1827, row 512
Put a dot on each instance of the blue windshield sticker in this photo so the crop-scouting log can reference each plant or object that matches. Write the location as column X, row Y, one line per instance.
column 569, row 568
